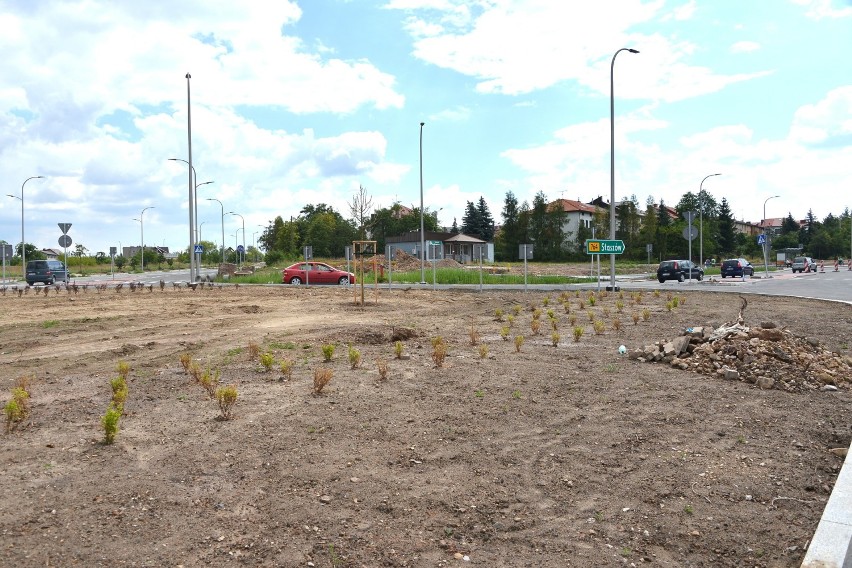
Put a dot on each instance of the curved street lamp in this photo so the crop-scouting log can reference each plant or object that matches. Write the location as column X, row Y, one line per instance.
column 701, row 219
column 244, row 232
column 23, row 242
column 222, row 260
column 766, row 237
column 612, row 286
column 142, row 230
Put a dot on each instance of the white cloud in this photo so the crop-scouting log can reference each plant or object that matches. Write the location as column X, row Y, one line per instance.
column 745, row 47
column 821, row 9
column 456, row 114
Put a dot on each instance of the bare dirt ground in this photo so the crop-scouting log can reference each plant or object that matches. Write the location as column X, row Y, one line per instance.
column 551, row 456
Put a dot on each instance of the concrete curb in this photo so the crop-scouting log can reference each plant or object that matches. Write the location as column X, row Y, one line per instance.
column 831, row 546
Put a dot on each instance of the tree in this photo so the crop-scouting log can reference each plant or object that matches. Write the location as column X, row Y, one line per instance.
column 470, row 220
column 100, row 257
column 359, row 208
column 648, row 232
column 727, row 240
column 511, row 234
column 486, row 221
column 120, row 261
column 80, row 250
column 455, row 228
column 789, row 225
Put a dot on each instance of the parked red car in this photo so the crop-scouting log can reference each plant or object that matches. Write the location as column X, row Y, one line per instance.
column 315, row 273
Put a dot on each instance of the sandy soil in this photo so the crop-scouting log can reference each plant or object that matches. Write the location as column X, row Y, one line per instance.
column 551, row 456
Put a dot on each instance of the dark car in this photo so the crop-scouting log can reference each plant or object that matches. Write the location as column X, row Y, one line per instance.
column 679, row 270
column 736, row 268
column 46, row 271
column 804, row 264
column 315, row 273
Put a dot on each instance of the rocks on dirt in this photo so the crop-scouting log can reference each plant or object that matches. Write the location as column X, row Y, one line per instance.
column 767, row 356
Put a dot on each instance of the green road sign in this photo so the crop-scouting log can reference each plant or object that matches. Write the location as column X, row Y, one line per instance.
column 604, row 247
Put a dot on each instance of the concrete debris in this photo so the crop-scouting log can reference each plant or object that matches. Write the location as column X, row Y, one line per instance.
column 766, row 356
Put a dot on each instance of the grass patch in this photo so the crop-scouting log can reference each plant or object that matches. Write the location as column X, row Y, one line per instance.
column 49, row 323
column 463, row 276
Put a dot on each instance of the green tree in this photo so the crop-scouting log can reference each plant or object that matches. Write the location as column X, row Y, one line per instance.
column 726, row 239
column 648, row 232
column 120, row 261
column 486, row 221
column 510, row 235
column 79, row 252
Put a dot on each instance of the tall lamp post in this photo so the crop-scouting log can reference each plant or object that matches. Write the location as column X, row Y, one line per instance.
column 244, row 231
column 422, row 226
column 23, row 242
column 701, row 219
column 223, row 226
column 766, row 236
column 142, row 235
column 612, row 286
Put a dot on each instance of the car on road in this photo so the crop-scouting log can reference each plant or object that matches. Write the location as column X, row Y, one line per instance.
column 679, row 270
column 803, row 263
column 315, row 273
column 736, row 268
column 46, row 271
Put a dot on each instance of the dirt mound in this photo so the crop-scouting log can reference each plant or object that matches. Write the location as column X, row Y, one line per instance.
column 766, row 356
column 405, row 262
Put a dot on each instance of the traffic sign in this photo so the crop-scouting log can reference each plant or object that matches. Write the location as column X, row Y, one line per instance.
column 65, row 241
column 433, row 243
column 690, row 232
column 64, row 227
column 689, row 216
column 525, row 252
column 199, row 249
column 761, row 239
column 598, row 246
column 6, row 251
column 240, row 249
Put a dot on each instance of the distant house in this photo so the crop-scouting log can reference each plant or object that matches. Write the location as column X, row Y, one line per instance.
column 577, row 215
column 771, row 226
column 457, row 246
column 52, row 254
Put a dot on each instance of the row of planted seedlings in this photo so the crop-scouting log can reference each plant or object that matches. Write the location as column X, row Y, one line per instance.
column 578, row 306
column 210, row 380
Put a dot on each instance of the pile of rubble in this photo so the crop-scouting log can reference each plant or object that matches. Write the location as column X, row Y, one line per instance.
column 405, row 262
column 766, row 356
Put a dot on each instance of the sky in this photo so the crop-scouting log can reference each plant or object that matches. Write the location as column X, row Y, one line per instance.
column 301, row 102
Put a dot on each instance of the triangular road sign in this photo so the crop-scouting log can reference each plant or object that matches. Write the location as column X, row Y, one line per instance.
column 64, row 227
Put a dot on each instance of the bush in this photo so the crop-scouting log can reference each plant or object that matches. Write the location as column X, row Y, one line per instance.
column 287, row 369
column 226, row 397
column 322, row 376
column 123, row 369
column 119, row 392
column 267, row 360
column 354, row 357
column 210, row 382
column 328, row 352
column 397, row 349
column 439, row 351
column 109, row 421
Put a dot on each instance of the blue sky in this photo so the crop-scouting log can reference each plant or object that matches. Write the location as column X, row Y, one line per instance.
column 301, row 102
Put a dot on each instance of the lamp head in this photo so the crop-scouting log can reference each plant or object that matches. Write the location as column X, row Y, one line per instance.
column 422, row 123
column 631, row 50
column 188, row 76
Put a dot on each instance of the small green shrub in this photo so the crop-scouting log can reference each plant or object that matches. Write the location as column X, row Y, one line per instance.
column 599, row 326
column 109, row 421
column 354, row 357
column 483, row 351
column 498, row 314
column 123, row 369
column 554, row 338
column 328, row 352
column 578, row 332
column 267, row 360
column 519, row 341
column 210, row 381
column 646, row 313
column 226, row 397
column 504, row 332
column 119, row 392
column 397, row 349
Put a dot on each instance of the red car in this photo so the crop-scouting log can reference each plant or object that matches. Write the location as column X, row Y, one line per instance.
column 315, row 273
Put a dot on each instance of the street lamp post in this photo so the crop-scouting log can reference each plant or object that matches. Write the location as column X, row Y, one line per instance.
column 612, row 286
column 244, row 231
column 23, row 242
column 766, row 237
column 701, row 219
column 222, row 260
column 422, row 226
column 193, row 269
column 264, row 227
column 142, row 234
